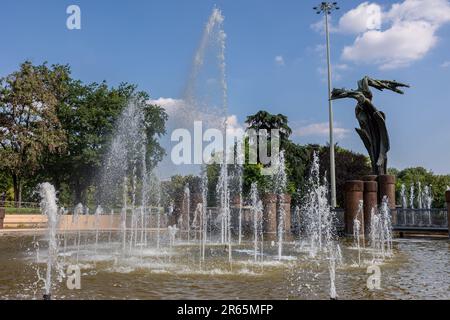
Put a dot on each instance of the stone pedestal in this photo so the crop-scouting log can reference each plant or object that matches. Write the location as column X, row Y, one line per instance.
column 286, row 204
column 270, row 216
column 447, row 198
column 386, row 187
column 370, row 178
column 370, row 202
column 353, row 196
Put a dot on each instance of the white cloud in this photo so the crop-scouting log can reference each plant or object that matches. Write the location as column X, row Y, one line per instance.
column 178, row 108
column 367, row 16
column 410, row 33
column 234, row 128
column 446, row 64
column 396, row 47
column 169, row 104
column 321, row 129
column 279, row 61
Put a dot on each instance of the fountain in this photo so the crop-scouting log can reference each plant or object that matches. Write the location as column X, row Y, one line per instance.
column 280, row 181
column 381, row 231
column 317, row 214
column 144, row 251
column 403, row 196
column 257, row 210
column 357, row 222
column 320, row 223
column 50, row 209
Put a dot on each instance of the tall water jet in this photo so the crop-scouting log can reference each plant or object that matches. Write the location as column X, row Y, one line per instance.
column 428, row 199
column 403, row 196
column 97, row 214
column 419, row 196
column 411, row 196
column 123, row 215
column 257, row 212
column 187, row 206
column 50, row 209
column 318, row 218
column 404, row 201
column 225, row 212
column 77, row 212
column 411, row 203
column 155, row 192
column 280, row 180
column 358, row 222
column 204, row 217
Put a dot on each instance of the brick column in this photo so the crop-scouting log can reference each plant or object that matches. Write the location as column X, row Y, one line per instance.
column 370, row 202
column 287, row 212
column 270, row 215
column 386, row 187
column 353, row 195
column 447, row 198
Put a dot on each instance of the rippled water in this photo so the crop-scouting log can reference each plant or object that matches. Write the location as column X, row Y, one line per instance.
column 420, row 269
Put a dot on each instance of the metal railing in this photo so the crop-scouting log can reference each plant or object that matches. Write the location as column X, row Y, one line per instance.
column 13, row 204
column 421, row 218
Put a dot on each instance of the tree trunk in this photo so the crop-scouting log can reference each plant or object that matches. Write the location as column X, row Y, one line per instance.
column 17, row 183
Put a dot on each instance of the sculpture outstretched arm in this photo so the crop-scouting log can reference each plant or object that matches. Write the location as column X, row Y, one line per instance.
column 343, row 93
column 386, row 84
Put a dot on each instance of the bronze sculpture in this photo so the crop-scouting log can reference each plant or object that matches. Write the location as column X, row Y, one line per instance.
column 373, row 130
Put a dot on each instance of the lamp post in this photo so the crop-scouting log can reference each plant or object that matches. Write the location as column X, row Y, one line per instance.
column 326, row 8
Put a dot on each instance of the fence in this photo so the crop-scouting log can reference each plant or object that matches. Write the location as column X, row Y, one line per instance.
column 422, row 218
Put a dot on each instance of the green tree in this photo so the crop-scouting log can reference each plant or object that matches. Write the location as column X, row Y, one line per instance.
column 349, row 166
column 412, row 176
column 88, row 115
column 29, row 125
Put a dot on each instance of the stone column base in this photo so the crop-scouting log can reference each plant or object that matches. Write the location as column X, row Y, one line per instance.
column 370, row 203
column 353, row 196
column 270, row 216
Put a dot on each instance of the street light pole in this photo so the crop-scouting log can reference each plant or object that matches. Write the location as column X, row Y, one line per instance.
column 327, row 8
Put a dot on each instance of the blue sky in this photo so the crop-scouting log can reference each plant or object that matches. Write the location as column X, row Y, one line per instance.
column 274, row 59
